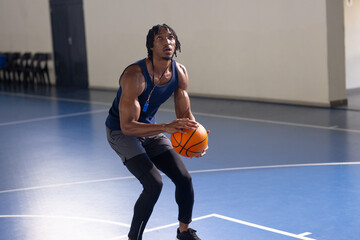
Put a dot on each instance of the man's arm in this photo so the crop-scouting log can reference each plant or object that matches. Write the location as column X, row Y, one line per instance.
column 181, row 97
column 182, row 100
column 132, row 85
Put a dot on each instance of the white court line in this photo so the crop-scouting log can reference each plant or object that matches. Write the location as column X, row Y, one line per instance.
column 55, row 98
column 163, row 227
column 52, row 117
column 177, row 224
column 201, row 114
column 195, row 171
column 304, row 234
column 272, row 122
column 66, row 184
column 298, row 236
column 275, row 166
column 262, row 227
column 69, row 218
column 119, row 238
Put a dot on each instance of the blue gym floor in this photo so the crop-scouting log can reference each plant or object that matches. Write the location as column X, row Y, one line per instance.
column 272, row 172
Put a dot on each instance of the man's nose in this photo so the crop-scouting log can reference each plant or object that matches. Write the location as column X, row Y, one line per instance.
column 168, row 40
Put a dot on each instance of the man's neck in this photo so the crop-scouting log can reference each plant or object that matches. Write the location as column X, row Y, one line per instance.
column 160, row 64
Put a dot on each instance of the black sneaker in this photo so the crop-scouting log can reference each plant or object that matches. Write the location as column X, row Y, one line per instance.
column 190, row 234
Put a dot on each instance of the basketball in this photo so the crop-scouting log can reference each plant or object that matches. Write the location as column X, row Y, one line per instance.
column 192, row 143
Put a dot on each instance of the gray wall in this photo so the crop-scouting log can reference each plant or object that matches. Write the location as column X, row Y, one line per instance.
column 288, row 51
column 25, row 26
column 352, row 43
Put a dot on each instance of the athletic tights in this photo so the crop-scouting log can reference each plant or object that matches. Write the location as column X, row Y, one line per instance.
column 146, row 171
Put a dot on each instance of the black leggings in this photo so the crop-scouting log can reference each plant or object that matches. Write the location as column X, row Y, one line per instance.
column 146, row 171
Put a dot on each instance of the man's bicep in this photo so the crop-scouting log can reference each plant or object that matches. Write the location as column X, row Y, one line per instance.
column 129, row 106
column 182, row 104
column 129, row 109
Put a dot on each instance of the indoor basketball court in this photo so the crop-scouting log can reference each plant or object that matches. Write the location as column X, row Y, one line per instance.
column 275, row 82
column 289, row 175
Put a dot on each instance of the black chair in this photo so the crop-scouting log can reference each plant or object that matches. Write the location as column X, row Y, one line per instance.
column 44, row 70
column 3, row 63
column 13, row 66
column 6, row 69
column 39, row 68
column 36, row 69
column 26, row 69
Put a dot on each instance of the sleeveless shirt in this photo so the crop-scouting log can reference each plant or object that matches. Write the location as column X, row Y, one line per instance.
column 160, row 94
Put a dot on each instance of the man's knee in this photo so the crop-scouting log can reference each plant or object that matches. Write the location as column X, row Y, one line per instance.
column 145, row 171
column 152, row 183
column 184, row 181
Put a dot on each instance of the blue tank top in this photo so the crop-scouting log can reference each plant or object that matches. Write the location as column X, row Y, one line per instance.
column 158, row 97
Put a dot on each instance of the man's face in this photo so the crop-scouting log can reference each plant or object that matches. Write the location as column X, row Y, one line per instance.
column 164, row 44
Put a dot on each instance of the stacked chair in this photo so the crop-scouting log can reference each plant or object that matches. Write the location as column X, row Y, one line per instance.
column 3, row 65
column 26, row 68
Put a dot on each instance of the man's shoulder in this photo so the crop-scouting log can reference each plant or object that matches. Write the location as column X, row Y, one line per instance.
column 133, row 70
column 181, row 69
column 132, row 76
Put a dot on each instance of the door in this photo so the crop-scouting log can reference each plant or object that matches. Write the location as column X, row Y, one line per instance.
column 68, row 33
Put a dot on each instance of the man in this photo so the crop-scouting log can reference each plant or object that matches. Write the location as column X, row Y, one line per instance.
column 139, row 141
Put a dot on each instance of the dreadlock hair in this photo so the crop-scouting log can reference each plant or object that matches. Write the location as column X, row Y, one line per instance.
column 151, row 35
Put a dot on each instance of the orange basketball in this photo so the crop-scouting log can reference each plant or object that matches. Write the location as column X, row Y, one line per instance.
column 192, row 143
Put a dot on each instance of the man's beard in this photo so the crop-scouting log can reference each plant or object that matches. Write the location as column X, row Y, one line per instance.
column 166, row 58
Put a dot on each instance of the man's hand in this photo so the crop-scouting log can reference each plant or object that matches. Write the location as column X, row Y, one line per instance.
column 179, row 124
column 203, row 153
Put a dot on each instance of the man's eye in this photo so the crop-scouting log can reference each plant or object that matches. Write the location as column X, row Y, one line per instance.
column 159, row 37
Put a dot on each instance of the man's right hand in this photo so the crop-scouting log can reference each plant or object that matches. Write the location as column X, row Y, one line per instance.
column 179, row 124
